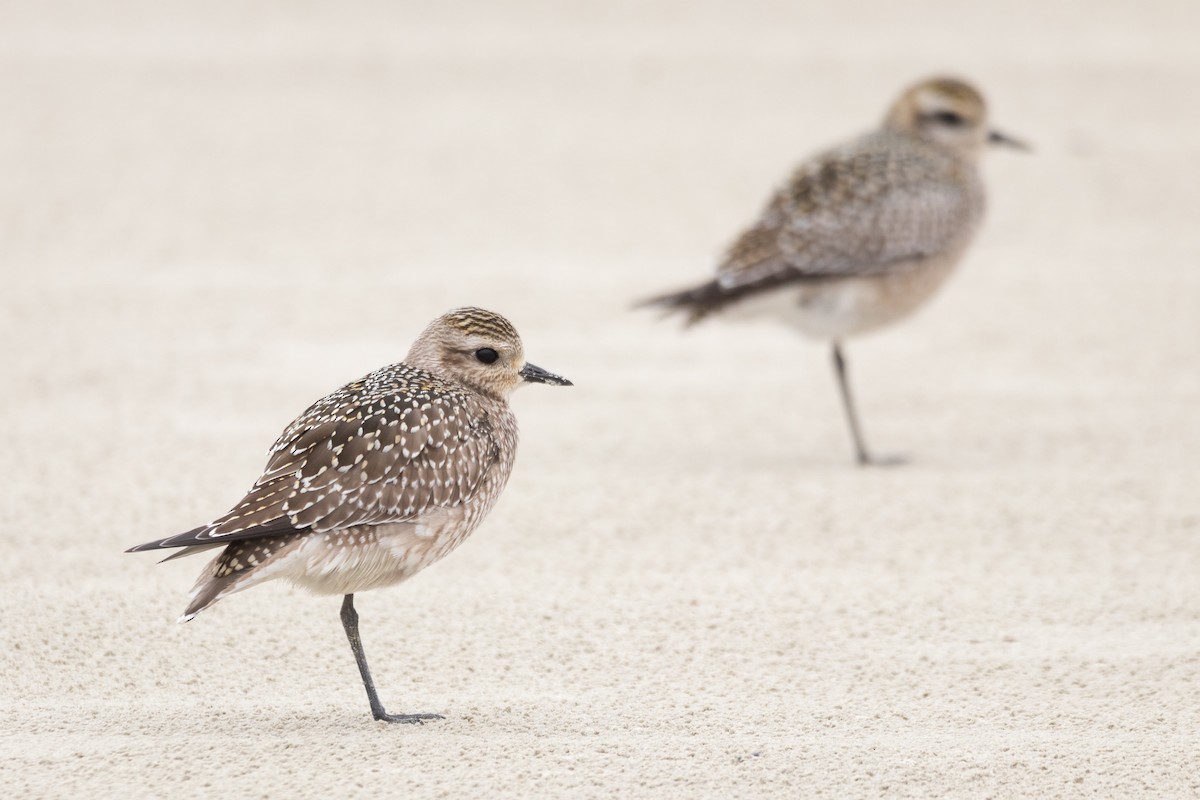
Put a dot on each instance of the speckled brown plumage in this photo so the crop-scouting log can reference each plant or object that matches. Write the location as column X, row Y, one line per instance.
column 379, row 479
column 881, row 205
column 887, row 199
column 384, row 448
column 389, row 448
column 863, row 234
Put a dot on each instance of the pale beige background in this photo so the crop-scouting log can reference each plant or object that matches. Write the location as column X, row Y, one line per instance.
column 211, row 214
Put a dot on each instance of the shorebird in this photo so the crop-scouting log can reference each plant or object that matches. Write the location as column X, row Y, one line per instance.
column 378, row 480
column 863, row 234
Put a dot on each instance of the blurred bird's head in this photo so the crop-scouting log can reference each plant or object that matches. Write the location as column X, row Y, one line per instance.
column 949, row 112
column 478, row 349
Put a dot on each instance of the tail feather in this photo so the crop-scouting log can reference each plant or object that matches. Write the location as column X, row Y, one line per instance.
column 206, row 592
column 214, row 582
column 700, row 301
column 209, row 534
column 697, row 302
column 239, row 566
column 204, row 596
column 192, row 550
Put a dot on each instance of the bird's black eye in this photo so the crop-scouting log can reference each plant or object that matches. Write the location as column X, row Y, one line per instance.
column 948, row 118
column 487, row 355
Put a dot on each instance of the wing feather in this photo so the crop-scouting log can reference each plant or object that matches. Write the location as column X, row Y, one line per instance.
column 869, row 208
column 388, row 448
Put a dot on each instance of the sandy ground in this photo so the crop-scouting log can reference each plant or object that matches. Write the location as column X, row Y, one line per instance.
column 211, row 215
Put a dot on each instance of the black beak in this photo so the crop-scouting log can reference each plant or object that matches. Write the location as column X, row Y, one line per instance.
column 534, row 374
column 1004, row 140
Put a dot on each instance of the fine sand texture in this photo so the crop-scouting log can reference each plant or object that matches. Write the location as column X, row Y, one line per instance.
column 213, row 213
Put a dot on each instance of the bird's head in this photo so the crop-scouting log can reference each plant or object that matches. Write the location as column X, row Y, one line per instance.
column 479, row 349
column 949, row 112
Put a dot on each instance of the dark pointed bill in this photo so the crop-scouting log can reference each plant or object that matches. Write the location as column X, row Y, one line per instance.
column 998, row 138
column 534, row 374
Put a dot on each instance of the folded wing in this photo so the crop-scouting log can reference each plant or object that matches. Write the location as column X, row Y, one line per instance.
column 859, row 211
column 379, row 450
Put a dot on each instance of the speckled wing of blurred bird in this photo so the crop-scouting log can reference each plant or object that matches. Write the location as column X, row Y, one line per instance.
column 869, row 208
column 387, row 448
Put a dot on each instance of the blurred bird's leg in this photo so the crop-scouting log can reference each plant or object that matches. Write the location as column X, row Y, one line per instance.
column 350, row 623
column 839, row 366
column 860, row 445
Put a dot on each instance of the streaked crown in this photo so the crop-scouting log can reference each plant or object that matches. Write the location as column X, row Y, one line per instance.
column 944, row 110
column 480, row 350
column 477, row 322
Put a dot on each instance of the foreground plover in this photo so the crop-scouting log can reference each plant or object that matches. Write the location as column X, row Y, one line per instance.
column 378, row 480
column 862, row 235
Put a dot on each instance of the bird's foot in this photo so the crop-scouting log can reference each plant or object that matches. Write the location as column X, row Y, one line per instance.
column 409, row 719
column 891, row 460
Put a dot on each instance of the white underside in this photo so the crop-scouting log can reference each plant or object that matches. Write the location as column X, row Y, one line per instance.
column 841, row 308
column 834, row 311
column 344, row 563
column 350, row 561
column 833, row 318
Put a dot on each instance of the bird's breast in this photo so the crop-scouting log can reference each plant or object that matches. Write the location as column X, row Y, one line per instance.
column 372, row 556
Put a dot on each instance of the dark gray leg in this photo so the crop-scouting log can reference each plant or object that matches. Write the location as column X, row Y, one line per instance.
column 350, row 623
column 860, row 446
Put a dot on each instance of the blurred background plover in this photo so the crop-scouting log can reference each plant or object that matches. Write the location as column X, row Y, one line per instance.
column 863, row 234
column 379, row 479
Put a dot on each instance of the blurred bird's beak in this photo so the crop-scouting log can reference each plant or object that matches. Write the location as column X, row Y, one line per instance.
column 1003, row 139
column 534, row 374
